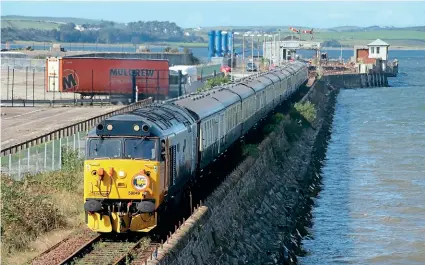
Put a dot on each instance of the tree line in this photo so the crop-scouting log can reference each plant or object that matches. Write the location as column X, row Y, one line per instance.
column 105, row 32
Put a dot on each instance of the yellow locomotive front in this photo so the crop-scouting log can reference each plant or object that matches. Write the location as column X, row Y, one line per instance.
column 123, row 182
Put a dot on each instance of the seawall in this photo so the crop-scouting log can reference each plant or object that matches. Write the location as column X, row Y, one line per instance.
column 357, row 80
column 257, row 215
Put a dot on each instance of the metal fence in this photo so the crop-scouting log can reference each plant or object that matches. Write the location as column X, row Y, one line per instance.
column 23, row 84
column 20, row 64
column 45, row 157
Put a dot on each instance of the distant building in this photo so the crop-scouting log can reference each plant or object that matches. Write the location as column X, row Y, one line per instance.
column 378, row 49
column 79, row 28
column 361, row 55
column 374, row 57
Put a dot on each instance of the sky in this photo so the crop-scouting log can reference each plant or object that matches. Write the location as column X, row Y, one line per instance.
column 215, row 13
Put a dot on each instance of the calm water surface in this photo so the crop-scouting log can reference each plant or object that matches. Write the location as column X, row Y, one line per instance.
column 372, row 206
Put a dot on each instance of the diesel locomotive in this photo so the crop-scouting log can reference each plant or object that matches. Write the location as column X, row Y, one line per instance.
column 137, row 162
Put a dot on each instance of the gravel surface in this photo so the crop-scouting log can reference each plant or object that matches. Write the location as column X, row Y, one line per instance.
column 65, row 248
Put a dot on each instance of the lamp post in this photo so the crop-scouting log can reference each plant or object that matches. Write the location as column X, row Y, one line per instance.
column 243, row 53
column 252, row 48
column 258, row 51
column 271, row 49
column 278, row 49
column 233, row 52
column 274, row 47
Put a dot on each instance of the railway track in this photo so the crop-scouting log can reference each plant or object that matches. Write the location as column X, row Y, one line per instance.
column 87, row 248
column 111, row 251
column 66, row 248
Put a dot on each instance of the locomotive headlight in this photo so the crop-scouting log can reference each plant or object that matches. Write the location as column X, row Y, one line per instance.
column 121, row 174
column 136, row 128
column 109, row 127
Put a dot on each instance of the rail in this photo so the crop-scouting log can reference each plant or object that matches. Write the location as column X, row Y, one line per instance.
column 72, row 129
column 66, row 249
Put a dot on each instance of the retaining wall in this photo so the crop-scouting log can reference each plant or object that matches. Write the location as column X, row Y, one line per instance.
column 256, row 215
column 357, row 80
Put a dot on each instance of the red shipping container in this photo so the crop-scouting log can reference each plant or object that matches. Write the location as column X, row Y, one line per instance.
column 107, row 75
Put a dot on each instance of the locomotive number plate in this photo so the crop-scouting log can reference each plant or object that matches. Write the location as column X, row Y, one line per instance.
column 134, row 193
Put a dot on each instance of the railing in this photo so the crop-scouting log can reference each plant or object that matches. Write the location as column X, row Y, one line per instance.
column 70, row 130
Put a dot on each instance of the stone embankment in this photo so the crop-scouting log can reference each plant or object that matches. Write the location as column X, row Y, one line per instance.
column 259, row 213
column 357, row 80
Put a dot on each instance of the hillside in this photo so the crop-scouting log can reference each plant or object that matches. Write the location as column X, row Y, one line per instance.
column 22, row 28
column 53, row 20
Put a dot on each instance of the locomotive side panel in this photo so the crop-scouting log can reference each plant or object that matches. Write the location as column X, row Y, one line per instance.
column 181, row 156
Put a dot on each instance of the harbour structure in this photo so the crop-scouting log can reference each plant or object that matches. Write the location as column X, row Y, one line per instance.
column 374, row 58
column 281, row 51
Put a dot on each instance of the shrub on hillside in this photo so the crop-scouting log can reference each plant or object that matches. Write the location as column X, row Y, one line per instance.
column 41, row 203
column 307, row 110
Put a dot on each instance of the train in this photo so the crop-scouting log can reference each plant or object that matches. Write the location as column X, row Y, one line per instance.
column 138, row 163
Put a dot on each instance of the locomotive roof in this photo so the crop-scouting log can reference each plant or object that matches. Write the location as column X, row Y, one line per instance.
column 161, row 119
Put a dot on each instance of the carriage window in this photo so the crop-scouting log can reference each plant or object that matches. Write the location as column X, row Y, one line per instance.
column 104, row 148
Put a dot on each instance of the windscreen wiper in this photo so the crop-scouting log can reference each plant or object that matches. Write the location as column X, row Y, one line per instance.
column 135, row 147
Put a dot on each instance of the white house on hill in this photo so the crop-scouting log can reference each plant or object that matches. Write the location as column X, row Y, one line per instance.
column 378, row 49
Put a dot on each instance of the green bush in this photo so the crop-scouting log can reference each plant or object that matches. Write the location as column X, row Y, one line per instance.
column 250, row 150
column 307, row 110
column 41, row 203
column 71, row 159
column 213, row 82
column 27, row 212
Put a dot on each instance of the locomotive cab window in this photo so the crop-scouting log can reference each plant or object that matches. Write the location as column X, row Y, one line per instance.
column 122, row 148
column 104, row 148
column 140, row 148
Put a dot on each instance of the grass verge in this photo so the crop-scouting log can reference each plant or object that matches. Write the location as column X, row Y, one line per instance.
column 299, row 117
column 40, row 204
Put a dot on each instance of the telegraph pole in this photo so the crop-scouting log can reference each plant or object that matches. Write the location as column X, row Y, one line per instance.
column 258, row 52
column 252, row 48
column 231, row 58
